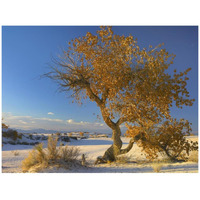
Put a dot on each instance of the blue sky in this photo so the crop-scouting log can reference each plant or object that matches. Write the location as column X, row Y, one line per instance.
column 29, row 102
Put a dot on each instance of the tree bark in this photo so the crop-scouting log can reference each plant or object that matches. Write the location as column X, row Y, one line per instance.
column 115, row 150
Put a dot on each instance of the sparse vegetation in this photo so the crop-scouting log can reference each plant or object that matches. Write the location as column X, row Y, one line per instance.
column 16, row 153
column 40, row 158
column 13, row 134
column 81, row 134
column 157, row 167
column 4, row 126
column 52, row 151
column 31, row 136
column 69, row 154
column 58, row 134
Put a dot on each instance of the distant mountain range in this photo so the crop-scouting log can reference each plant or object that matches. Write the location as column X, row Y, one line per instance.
column 53, row 131
column 40, row 130
column 50, row 131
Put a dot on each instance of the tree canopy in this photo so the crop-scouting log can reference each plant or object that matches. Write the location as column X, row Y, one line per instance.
column 129, row 84
column 113, row 70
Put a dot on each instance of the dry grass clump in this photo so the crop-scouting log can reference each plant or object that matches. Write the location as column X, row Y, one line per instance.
column 157, row 167
column 52, row 151
column 40, row 158
column 69, row 153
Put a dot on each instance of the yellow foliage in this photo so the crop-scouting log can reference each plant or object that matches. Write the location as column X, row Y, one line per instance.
column 127, row 82
column 168, row 138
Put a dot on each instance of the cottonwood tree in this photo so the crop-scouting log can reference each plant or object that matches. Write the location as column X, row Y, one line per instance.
column 126, row 82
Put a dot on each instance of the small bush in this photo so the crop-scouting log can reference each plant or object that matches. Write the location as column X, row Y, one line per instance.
column 58, row 134
column 13, row 134
column 41, row 155
column 25, row 143
column 70, row 134
column 4, row 126
column 10, row 142
column 51, row 148
column 157, row 167
column 30, row 161
column 40, row 158
column 69, row 154
column 31, row 136
column 16, row 153
column 81, row 134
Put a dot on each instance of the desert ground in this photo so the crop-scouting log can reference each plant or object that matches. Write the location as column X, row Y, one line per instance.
column 133, row 162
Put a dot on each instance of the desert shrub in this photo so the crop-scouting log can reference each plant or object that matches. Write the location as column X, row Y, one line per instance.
column 169, row 138
column 81, row 134
column 70, row 134
column 30, row 161
column 157, row 167
column 58, row 134
column 52, row 155
column 13, row 134
column 37, row 157
column 16, row 153
column 41, row 155
column 31, row 136
column 68, row 153
column 51, row 148
column 4, row 126
column 19, row 135
column 65, row 139
column 10, row 142
column 24, row 143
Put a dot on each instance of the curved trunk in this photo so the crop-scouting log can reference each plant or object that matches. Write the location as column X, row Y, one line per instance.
column 115, row 149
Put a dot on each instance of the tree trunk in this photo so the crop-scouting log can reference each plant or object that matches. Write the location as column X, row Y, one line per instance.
column 115, row 149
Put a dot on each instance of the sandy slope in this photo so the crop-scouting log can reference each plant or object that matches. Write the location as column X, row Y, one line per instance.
column 92, row 148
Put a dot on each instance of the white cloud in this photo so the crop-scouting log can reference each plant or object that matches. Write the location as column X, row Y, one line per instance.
column 29, row 122
column 22, row 122
column 48, row 119
column 50, row 113
column 70, row 121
